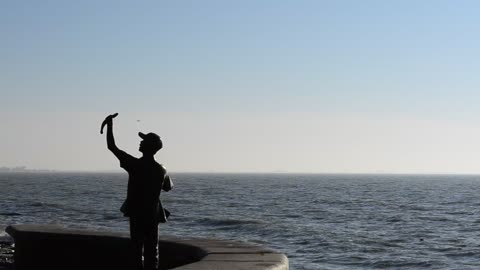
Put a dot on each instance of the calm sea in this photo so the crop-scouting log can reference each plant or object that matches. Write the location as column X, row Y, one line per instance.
column 319, row 221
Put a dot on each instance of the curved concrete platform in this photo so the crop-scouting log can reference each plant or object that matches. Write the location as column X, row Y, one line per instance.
column 57, row 247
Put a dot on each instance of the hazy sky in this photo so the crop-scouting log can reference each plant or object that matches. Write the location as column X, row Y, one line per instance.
column 243, row 86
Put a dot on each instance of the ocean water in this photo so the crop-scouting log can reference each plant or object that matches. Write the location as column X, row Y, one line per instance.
column 319, row 221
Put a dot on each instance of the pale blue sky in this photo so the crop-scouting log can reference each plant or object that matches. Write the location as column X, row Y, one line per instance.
column 321, row 76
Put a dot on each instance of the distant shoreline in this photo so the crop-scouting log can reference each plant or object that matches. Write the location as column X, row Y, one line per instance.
column 27, row 171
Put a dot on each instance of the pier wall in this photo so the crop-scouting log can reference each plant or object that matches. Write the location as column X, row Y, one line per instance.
column 56, row 247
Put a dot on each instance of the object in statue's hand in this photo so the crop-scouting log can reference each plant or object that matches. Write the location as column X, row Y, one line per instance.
column 108, row 119
column 167, row 183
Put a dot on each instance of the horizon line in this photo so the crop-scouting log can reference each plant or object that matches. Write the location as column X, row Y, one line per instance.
column 246, row 172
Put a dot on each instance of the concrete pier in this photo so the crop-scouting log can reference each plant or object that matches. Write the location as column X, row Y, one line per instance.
column 56, row 247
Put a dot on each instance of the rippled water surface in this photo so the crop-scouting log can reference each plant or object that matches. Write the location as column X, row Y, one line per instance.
column 319, row 221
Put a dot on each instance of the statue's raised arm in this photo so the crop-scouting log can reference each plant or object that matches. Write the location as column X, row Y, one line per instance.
column 110, row 139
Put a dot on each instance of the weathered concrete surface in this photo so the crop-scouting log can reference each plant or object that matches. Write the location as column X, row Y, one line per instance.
column 55, row 247
column 220, row 254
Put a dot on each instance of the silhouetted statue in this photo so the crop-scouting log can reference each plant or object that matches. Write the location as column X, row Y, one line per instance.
column 146, row 178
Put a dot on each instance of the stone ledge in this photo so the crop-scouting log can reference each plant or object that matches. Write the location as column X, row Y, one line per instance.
column 56, row 247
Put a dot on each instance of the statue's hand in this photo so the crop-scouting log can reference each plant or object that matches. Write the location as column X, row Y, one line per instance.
column 108, row 121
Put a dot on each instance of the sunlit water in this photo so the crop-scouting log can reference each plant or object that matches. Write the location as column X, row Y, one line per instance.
column 319, row 221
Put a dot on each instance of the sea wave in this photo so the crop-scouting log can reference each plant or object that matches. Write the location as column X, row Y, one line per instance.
column 229, row 222
column 10, row 214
